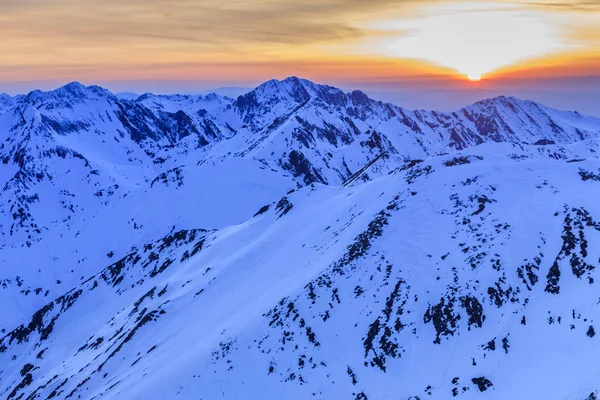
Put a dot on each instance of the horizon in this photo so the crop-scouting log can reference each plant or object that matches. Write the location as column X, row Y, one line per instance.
column 392, row 46
column 443, row 100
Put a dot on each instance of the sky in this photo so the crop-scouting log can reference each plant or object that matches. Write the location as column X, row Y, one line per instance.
column 384, row 47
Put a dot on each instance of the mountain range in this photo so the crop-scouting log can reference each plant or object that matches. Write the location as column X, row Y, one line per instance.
column 296, row 242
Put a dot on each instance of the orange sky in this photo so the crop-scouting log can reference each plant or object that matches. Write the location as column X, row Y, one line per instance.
column 427, row 44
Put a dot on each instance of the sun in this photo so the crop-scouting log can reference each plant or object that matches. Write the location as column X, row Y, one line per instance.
column 474, row 76
column 472, row 38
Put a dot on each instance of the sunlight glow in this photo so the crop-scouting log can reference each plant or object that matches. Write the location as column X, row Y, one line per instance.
column 421, row 44
column 474, row 76
column 472, row 38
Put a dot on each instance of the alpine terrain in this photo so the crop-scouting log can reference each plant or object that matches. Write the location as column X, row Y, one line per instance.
column 298, row 242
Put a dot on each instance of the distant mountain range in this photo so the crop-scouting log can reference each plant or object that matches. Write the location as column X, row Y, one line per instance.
column 586, row 102
column 295, row 242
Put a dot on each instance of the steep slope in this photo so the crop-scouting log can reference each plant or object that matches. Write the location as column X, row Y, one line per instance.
column 322, row 134
column 315, row 133
column 212, row 195
column 295, row 242
column 449, row 277
column 78, row 164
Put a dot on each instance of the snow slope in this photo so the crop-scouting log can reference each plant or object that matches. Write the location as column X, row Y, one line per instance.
column 297, row 242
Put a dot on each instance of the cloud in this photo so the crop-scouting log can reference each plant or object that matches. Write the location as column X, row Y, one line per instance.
column 236, row 23
column 591, row 5
column 67, row 37
column 202, row 22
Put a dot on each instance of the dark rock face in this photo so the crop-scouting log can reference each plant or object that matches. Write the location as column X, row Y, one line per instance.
column 474, row 310
column 574, row 248
column 544, row 142
column 482, row 383
column 443, row 317
column 591, row 332
column 283, row 207
column 587, row 175
column 262, row 210
column 301, row 167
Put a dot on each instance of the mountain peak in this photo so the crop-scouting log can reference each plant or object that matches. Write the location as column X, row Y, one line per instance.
column 299, row 90
column 78, row 89
column 5, row 100
column 359, row 97
column 291, row 85
column 294, row 80
column 274, row 92
column 70, row 91
column 502, row 99
column 73, row 87
column 503, row 104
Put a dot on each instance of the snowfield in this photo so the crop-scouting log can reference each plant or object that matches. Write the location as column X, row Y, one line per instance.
column 297, row 242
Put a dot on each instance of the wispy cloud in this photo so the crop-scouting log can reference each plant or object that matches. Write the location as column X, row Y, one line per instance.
column 591, row 5
column 80, row 38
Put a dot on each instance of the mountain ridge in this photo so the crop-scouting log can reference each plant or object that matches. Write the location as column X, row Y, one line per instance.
column 318, row 243
column 77, row 84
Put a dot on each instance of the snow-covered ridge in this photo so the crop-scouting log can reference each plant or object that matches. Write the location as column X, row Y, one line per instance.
column 295, row 242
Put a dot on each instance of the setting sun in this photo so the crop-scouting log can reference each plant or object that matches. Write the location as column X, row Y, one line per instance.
column 474, row 77
column 469, row 37
column 190, row 45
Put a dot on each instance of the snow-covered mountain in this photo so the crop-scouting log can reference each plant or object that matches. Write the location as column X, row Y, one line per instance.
column 295, row 242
